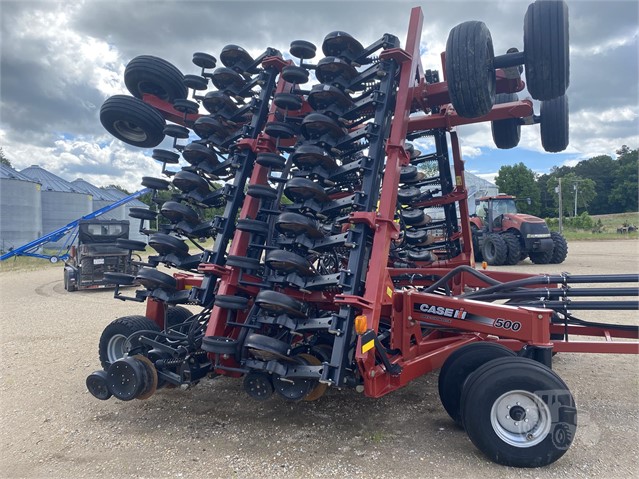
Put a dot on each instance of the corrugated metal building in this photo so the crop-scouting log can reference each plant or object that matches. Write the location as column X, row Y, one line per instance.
column 61, row 202
column 20, row 209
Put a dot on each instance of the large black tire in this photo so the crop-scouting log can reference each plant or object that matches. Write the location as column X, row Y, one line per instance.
column 476, row 248
column 554, row 124
column 153, row 75
column 470, row 72
column 542, row 257
column 506, row 133
column 132, row 121
column 494, row 249
column 113, row 339
column 546, row 49
column 560, row 248
column 461, row 364
column 514, row 248
column 177, row 315
column 518, row 412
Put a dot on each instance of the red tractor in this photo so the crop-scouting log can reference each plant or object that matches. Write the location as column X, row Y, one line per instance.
column 501, row 235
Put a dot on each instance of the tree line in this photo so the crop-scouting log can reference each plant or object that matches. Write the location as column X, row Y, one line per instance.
column 601, row 184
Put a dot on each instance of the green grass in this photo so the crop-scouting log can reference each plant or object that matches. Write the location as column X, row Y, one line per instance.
column 27, row 263
column 609, row 232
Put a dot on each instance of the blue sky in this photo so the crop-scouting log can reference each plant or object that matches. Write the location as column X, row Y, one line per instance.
column 59, row 61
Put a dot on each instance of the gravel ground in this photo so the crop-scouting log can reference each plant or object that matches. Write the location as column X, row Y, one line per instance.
column 52, row 427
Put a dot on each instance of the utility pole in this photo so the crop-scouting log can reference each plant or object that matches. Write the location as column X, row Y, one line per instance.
column 561, row 209
column 576, row 189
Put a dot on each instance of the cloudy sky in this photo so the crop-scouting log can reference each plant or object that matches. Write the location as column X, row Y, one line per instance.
column 61, row 60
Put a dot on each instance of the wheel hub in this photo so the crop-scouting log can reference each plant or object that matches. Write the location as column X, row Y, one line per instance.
column 520, row 418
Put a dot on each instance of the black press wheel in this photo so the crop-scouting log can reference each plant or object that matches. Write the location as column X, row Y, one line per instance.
column 494, row 250
column 302, row 189
column 148, row 74
column 560, row 248
column 131, row 245
column 143, row 214
column 514, row 248
column 554, row 124
column 166, row 244
column 518, row 412
column 461, row 364
column 288, row 262
column 132, row 121
column 470, row 72
column 279, row 303
column 155, row 183
column 151, row 279
column 506, row 133
column 546, row 49
column 113, row 341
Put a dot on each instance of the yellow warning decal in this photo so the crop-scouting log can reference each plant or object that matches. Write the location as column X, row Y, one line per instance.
column 458, row 180
column 368, row 346
column 389, row 291
column 188, row 286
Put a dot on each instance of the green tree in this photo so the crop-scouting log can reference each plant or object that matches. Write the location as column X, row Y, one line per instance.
column 118, row 187
column 624, row 192
column 601, row 170
column 585, row 190
column 3, row 159
column 519, row 180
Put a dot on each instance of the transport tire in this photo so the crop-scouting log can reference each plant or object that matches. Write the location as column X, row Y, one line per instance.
column 518, row 412
column 506, row 133
column 470, row 72
column 146, row 74
column 553, row 125
column 113, row 341
column 461, row 364
column 546, row 49
column 132, row 121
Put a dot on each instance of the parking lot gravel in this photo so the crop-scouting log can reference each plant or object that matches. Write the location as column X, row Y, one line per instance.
column 51, row 427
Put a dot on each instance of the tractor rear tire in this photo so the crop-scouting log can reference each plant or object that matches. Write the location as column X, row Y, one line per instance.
column 541, row 257
column 113, row 338
column 461, row 364
column 132, row 121
column 474, row 231
column 518, row 412
column 470, row 72
column 560, row 249
column 494, row 249
column 514, row 248
column 546, row 49
column 506, row 133
column 146, row 74
column 554, row 124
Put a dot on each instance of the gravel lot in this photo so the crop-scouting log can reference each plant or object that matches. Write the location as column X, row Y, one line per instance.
column 52, row 427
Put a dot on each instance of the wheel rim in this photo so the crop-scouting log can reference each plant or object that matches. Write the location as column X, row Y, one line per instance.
column 520, row 418
column 130, row 131
column 115, row 348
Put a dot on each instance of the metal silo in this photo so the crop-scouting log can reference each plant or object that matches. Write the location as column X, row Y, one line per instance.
column 101, row 198
column 20, row 209
column 61, row 202
column 134, row 231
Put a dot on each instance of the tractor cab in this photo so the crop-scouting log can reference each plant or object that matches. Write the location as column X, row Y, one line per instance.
column 490, row 209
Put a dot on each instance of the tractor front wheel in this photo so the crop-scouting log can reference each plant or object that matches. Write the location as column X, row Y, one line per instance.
column 514, row 248
column 518, row 412
column 560, row 249
column 494, row 249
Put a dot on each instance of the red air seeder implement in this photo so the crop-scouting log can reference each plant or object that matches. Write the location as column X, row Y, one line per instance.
column 350, row 283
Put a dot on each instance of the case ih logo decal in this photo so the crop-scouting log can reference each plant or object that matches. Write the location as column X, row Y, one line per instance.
column 441, row 311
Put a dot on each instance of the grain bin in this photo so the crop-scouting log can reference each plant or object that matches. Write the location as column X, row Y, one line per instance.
column 134, row 232
column 101, row 198
column 61, row 202
column 20, row 209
